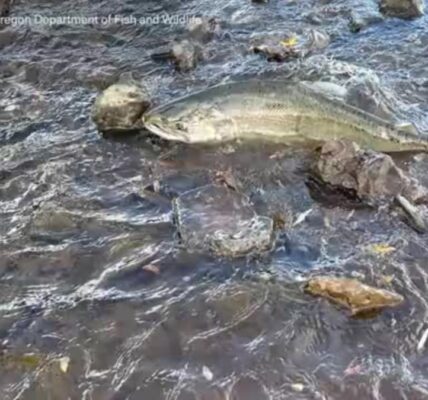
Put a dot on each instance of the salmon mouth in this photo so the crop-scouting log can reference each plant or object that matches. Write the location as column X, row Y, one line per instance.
column 156, row 125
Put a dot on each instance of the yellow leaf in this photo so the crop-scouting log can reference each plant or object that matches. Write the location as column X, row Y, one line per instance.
column 382, row 248
column 290, row 42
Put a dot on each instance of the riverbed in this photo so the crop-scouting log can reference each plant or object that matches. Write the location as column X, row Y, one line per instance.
column 99, row 299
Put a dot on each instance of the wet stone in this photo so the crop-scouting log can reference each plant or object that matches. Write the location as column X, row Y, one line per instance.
column 317, row 39
column 211, row 394
column 275, row 50
column 185, row 55
column 22, row 362
column 186, row 395
column 52, row 221
column 352, row 294
column 366, row 92
column 373, row 177
column 51, row 383
column 405, row 9
column 203, row 29
column 223, row 221
column 7, row 37
column 361, row 17
column 291, row 46
column 120, row 108
column 5, row 7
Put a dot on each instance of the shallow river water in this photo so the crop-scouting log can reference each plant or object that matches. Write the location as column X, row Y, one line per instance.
column 82, row 316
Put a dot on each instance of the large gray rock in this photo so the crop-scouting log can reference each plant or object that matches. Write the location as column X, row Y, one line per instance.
column 373, row 177
column 402, row 8
column 221, row 220
column 120, row 108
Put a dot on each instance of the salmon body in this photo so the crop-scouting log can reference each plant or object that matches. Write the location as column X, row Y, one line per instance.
column 277, row 111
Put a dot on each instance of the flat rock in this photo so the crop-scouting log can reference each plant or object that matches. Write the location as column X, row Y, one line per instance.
column 353, row 294
column 120, row 108
column 405, row 9
column 373, row 177
column 222, row 221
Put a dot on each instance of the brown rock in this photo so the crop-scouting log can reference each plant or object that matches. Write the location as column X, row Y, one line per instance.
column 276, row 50
column 373, row 177
column 402, row 8
column 120, row 108
column 352, row 294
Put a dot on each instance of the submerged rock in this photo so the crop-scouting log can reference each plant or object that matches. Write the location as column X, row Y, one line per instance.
column 317, row 39
column 360, row 18
column 5, row 7
column 366, row 92
column 402, row 8
column 51, row 382
column 413, row 214
column 20, row 362
column 247, row 388
column 52, row 221
column 203, row 29
column 352, row 294
column 120, row 108
column 185, row 55
column 221, row 220
column 372, row 177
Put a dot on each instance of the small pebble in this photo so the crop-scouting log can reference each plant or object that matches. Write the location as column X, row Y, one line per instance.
column 297, row 387
column 206, row 372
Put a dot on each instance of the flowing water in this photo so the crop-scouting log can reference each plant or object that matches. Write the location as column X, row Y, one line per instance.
column 98, row 297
